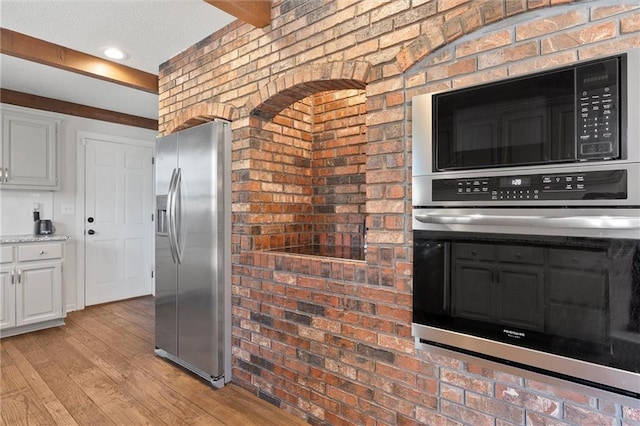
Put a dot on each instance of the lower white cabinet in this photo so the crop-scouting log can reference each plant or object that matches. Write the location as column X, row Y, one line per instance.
column 7, row 297
column 30, row 287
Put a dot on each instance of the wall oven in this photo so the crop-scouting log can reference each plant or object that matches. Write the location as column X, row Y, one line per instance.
column 526, row 218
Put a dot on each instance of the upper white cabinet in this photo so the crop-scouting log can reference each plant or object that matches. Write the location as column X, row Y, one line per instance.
column 29, row 150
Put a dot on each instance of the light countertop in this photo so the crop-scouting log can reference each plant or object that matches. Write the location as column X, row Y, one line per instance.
column 30, row 238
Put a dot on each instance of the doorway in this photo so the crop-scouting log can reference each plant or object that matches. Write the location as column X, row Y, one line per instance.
column 115, row 222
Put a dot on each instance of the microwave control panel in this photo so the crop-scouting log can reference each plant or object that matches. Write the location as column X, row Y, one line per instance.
column 597, row 110
column 591, row 185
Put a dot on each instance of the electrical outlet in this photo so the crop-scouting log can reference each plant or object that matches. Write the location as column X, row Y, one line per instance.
column 67, row 209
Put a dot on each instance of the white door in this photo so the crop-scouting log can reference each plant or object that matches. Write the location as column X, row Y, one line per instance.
column 118, row 221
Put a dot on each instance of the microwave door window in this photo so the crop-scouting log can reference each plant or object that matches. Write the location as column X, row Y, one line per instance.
column 526, row 121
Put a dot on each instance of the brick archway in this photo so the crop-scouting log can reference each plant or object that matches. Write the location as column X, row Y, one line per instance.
column 443, row 33
column 307, row 80
column 202, row 112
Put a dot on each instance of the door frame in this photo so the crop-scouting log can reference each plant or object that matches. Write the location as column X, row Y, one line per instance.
column 81, row 142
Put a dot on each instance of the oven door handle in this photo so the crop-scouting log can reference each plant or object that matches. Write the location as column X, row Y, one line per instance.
column 577, row 222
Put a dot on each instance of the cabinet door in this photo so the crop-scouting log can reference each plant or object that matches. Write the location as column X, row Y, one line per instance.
column 7, row 298
column 472, row 286
column 29, row 145
column 520, row 297
column 38, row 292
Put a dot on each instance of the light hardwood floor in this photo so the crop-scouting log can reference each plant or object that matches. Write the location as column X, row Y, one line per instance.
column 100, row 369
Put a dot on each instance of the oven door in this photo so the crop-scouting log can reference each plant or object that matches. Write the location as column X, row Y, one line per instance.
column 553, row 290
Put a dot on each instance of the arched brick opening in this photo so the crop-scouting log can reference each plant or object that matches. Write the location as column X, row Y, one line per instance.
column 305, row 178
column 201, row 113
column 446, row 31
column 305, row 81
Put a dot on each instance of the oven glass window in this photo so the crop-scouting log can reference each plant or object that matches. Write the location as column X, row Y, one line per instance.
column 524, row 121
column 576, row 297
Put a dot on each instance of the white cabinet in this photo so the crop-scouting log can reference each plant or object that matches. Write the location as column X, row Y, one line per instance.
column 30, row 287
column 29, row 150
column 7, row 297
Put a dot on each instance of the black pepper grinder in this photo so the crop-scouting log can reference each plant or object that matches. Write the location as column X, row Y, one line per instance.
column 36, row 220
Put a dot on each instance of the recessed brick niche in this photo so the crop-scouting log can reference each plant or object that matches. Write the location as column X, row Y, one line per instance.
column 309, row 174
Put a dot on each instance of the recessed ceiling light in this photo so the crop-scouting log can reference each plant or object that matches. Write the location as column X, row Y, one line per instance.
column 115, row 53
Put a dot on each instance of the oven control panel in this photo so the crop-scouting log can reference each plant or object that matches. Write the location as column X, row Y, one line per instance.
column 591, row 185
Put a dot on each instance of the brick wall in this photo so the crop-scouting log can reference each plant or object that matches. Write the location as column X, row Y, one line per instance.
column 329, row 340
column 338, row 167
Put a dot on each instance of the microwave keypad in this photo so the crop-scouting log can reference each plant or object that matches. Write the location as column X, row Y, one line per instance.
column 597, row 111
column 592, row 185
column 596, row 125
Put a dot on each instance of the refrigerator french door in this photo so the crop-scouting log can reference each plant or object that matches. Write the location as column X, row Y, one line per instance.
column 193, row 250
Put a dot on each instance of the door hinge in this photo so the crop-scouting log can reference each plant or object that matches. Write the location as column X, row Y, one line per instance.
column 152, row 273
column 153, row 160
column 151, row 217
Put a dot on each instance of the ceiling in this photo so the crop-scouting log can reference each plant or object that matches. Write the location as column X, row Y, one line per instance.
column 150, row 31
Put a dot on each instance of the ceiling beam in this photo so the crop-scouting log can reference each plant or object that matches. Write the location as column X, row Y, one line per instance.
column 254, row 12
column 33, row 49
column 63, row 107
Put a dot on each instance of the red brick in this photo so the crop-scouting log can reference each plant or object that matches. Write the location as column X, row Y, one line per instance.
column 540, row 420
column 528, row 400
column 432, row 418
column 495, row 408
column 630, row 24
column 507, row 55
column 472, row 383
column 562, row 393
column 631, row 413
column 584, row 416
column 481, row 77
column 452, row 393
column 617, row 45
column 464, row 414
column 604, row 31
column 492, row 11
column 550, row 25
column 464, row 66
column 603, row 12
column 492, row 41
column 543, row 63
column 444, row 5
column 471, row 20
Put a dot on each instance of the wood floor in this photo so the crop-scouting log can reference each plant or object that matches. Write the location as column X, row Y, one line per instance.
column 100, row 369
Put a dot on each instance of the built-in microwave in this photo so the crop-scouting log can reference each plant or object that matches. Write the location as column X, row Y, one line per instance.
column 567, row 136
column 526, row 222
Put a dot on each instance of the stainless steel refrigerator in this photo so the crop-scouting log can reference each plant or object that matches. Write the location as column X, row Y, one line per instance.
column 193, row 250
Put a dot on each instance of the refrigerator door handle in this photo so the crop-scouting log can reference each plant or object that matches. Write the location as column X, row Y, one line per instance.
column 170, row 214
column 175, row 212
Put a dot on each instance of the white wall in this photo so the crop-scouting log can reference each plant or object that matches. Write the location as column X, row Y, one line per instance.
column 16, row 206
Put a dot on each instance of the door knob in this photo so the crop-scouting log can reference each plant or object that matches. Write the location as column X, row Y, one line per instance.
column 91, row 232
column 90, row 220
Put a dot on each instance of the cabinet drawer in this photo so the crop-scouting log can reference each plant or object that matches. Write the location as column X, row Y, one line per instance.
column 521, row 254
column 474, row 251
column 39, row 252
column 578, row 259
column 6, row 254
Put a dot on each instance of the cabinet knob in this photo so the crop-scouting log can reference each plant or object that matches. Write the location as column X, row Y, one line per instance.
column 90, row 220
column 42, row 252
column 91, row 232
